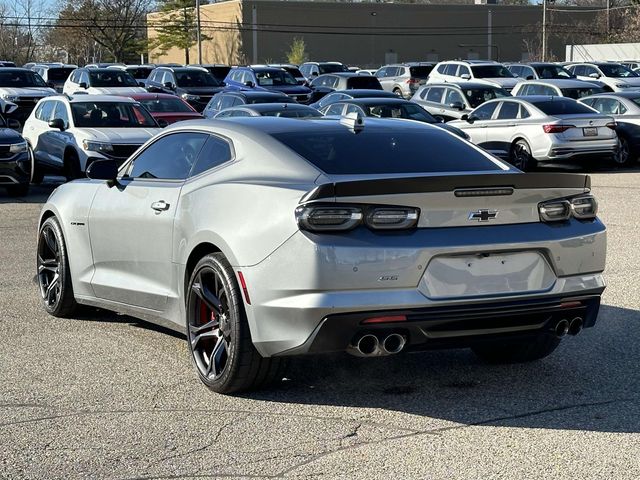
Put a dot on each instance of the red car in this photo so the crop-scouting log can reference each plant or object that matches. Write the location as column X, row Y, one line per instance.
column 166, row 108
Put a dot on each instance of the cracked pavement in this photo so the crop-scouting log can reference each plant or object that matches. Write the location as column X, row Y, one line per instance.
column 108, row 396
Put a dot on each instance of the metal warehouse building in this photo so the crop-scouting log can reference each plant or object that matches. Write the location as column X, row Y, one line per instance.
column 372, row 34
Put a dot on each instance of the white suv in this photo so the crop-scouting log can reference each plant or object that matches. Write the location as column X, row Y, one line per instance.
column 615, row 76
column 101, row 81
column 491, row 73
column 67, row 133
column 23, row 88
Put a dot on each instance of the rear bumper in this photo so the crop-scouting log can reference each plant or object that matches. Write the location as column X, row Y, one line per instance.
column 456, row 326
column 564, row 151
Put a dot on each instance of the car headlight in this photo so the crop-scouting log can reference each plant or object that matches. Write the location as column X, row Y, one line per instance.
column 10, row 98
column 188, row 96
column 97, row 146
column 18, row 147
column 622, row 85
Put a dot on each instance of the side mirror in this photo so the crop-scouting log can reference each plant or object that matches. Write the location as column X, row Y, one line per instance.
column 103, row 170
column 13, row 124
column 162, row 122
column 249, row 84
column 169, row 85
column 57, row 123
column 529, row 77
column 82, row 85
column 594, row 75
column 314, row 74
column 465, row 76
column 457, row 106
column 141, row 83
column 439, row 119
column 464, row 117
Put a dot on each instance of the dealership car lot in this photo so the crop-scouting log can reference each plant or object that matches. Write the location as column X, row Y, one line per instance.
column 112, row 397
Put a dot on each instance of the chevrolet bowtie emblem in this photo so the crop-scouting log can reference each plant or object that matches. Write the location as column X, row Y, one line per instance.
column 483, row 215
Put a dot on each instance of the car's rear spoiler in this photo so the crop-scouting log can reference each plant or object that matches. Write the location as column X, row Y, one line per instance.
column 388, row 186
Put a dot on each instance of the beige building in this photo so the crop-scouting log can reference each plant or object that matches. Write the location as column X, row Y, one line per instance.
column 371, row 34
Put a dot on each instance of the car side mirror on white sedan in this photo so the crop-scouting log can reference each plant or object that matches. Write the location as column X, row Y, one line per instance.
column 594, row 75
column 465, row 76
column 103, row 170
column 457, row 106
column 82, row 85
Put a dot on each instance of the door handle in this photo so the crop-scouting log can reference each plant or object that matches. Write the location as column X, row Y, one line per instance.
column 160, row 206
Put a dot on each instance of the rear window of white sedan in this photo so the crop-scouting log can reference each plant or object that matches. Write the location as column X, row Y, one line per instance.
column 341, row 152
column 562, row 106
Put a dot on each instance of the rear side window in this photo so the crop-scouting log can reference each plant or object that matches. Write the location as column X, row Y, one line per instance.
column 216, row 151
column 560, row 106
column 451, row 69
column 435, row 95
column 420, row 72
column 340, row 152
column 364, row 81
column 44, row 111
column 508, row 111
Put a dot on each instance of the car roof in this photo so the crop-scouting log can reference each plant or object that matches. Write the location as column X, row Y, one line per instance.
column 253, row 94
column 150, row 96
column 341, row 74
column 461, row 85
column 263, row 68
column 561, row 82
column 267, row 107
column 378, row 101
column 366, row 92
column 323, row 63
column 629, row 95
column 14, row 69
column 82, row 98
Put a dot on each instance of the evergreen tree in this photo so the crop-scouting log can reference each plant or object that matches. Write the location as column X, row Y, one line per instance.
column 176, row 27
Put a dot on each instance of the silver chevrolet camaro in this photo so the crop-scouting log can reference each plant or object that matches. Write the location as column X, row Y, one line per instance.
column 264, row 238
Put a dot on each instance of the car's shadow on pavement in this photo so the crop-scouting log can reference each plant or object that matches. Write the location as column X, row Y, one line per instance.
column 592, row 382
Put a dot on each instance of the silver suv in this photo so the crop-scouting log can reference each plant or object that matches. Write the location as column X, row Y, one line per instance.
column 405, row 78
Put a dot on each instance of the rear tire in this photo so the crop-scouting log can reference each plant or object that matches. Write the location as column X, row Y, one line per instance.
column 517, row 351
column 521, row 157
column 623, row 156
column 398, row 92
column 218, row 335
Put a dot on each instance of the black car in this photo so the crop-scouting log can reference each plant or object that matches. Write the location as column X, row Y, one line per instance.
column 388, row 108
column 6, row 63
column 325, row 84
column 54, row 75
column 235, row 98
column 194, row 84
column 284, row 110
column 15, row 162
column 219, row 71
column 339, row 95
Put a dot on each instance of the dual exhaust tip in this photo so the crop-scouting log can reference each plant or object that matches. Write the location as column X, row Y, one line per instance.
column 369, row 345
column 566, row 327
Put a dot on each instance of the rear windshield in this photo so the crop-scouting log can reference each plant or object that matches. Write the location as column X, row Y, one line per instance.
column 341, row 152
column 409, row 111
column 491, row 71
column 364, row 81
column 577, row 93
column 560, row 106
column 553, row 71
column 270, row 99
column 617, row 71
column 59, row 74
column 420, row 72
column 332, row 68
column 165, row 105
column 477, row 96
column 20, row 78
column 111, row 78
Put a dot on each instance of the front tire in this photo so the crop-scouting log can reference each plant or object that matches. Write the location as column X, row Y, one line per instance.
column 521, row 157
column 218, row 333
column 54, row 276
column 517, row 351
column 623, row 156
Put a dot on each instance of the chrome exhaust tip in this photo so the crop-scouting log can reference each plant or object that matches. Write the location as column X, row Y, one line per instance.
column 575, row 327
column 368, row 345
column 393, row 343
column 561, row 328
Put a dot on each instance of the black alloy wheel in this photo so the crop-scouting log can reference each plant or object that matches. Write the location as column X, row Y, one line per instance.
column 218, row 332
column 521, row 156
column 54, row 278
column 623, row 156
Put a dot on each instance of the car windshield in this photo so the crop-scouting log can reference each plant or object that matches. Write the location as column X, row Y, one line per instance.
column 477, row 96
column 165, row 105
column 270, row 78
column 332, row 68
column 111, row 78
column 20, row 79
column 196, row 78
column 552, row 71
column 406, row 111
column 59, row 74
column 577, row 93
column 140, row 73
column 420, row 72
column 561, row 106
column 491, row 71
column 363, row 82
column 294, row 71
column 617, row 71
column 421, row 150
column 110, row 115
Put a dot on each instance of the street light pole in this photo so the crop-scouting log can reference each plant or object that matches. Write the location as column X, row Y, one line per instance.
column 544, row 30
column 198, row 37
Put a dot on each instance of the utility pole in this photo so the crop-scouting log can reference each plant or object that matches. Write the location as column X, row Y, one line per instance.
column 544, row 30
column 608, row 22
column 198, row 37
column 489, row 34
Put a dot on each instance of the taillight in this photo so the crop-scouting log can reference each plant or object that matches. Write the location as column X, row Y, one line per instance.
column 413, row 81
column 555, row 128
column 583, row 207
column 323, row 218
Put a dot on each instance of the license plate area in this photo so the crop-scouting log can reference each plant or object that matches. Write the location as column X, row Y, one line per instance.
column 487, row 274
column 590, row 131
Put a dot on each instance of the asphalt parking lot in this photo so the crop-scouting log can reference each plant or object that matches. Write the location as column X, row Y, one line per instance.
column 108, row 396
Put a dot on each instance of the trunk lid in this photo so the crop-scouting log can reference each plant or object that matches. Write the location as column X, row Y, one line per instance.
column 587, row 127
